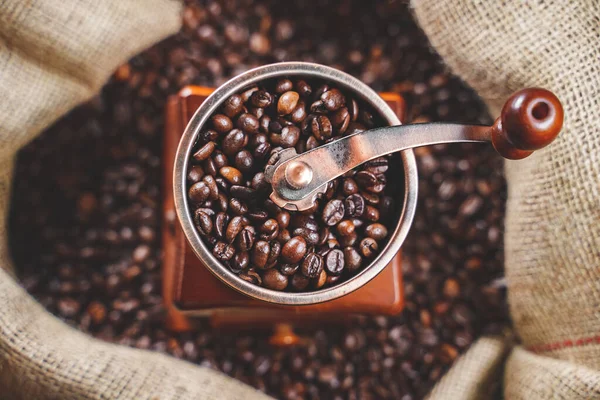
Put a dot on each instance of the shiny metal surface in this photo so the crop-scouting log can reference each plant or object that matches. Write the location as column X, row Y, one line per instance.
column 190, row 135
column 333, row 159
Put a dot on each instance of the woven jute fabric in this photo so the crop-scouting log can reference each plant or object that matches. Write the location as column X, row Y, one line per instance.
column 552, row 237
column 54, row 55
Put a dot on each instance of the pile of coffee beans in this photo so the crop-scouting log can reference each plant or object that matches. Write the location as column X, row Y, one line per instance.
column 86, row 209
column 229, row 195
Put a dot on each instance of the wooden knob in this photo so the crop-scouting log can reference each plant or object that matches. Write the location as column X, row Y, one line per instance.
column 530, row 119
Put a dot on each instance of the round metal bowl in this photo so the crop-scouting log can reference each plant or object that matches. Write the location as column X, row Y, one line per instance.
column 210, row 106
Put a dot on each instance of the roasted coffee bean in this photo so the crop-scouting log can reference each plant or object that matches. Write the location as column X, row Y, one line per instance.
column 195, row 174
column 245, row 238
column 366, row 118
column 264, row 123
column 209, row 135
column 368, row 247
column 219, row 159
column 274, row 253
column 333, row 212
column 211, row 183
column 203, row 222
column 377, row 166
column 209, row 167
column 244, row 161
column 334, row 262
column 320, row 281
column 348, row 240
column 321, row 127
column 240, row 262
column 376, row 231
column 312, row 265
column 199, row 192
column 299, row 113
column 287, row 102
column 289, row 137
column 333, row 99
column 269, row 229
column 284, row 235
column 311, row 237
column 299, row 282
column 365, row 179
column 353, row 110
column 370, row 198
column 283, row 85
column 223, row 251
column 248, row 123
column 233, row 175
column 242, row 192
column 221, row 123
column 294, row 250
column 289, row 269
column 233, row 228
column 237, row 207
column 371, row 214
column 258, row 216
column 233, row 106
column 251, row 276
column 349, row 187
column 275, row 280
column 283, row 219
column 352, row 259
column 340, row 120
column 204, row 152
column 233, row 142
column 260, row 254
column 220, row 225
column 345, row 227
column 245, row 96
column 311, row 143
column 261, row 98
column 303, row 88
column 262, row 150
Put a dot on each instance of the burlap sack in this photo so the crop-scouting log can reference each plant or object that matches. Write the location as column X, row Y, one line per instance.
column 54, row 55
column 552, row 234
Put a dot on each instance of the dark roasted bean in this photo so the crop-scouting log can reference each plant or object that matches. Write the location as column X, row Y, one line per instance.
column 345, row 227
column 334, row 262
column 274, row 253
column 293, row 250
column 195, row 174
column 269, row 229
column 289, row 269
column 349, row 187
column 320, row 281
column 223, row 251
column 212, row 186
column 248, row 123
column 312, row 265
column 371, row 214
column 368, row 247
column 233, row 142
column 283, row 219
column 233, row 228
column 220, row 225
column 287, row 102
column 333, row 212
column 283, row 85
column 242, row 192
column 244, row 161
column 303, row 88
column 333, row 99
column 240, row 261
column 245, row 238
column 321, row 127
column 199, row 192
column 275, row 280
column 233, row 106
column 299, row 282
column 237, row 207
column 203, row 222
column 219, row 159
column 221, row 123
column 376, row 231
column 260, row 254
column 204, row 152
column 251, row 276
column 311, row 237
column 352, row 259
column 233, row 175
column 261, row 99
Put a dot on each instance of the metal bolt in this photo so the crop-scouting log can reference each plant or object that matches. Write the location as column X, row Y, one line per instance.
column 298, row 174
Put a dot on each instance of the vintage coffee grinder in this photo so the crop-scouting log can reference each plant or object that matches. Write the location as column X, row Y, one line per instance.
column 197, row 285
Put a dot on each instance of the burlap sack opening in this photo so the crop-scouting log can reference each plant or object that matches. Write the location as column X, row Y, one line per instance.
column 552, row 236
column 54, row 55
